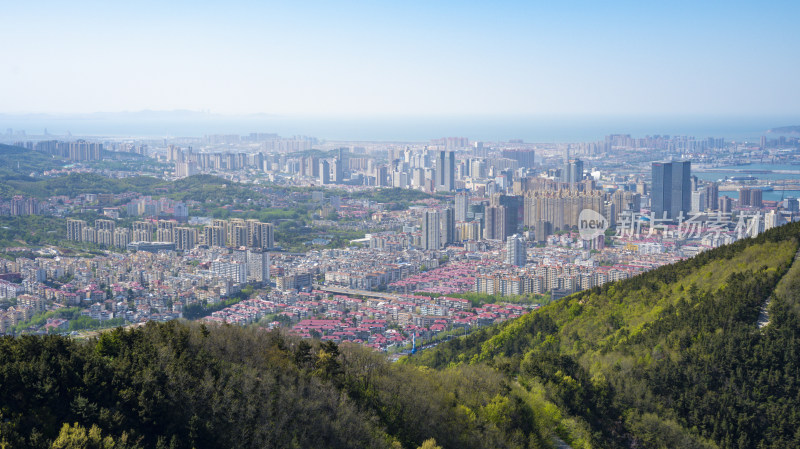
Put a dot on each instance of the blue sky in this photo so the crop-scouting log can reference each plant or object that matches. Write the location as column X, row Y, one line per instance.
column 402, row 58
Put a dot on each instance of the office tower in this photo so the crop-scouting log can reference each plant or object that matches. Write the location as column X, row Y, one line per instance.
column 790, row 204
column 515, row 251
column 430, row 230
column 681, row 200
column 495, row 223
column 446, row 170
column 662, row 188
column 324, row 172
column 75, row 229
column 448, row 226
column 698, row 201
column 573, row 171
column 671, row 191
column 338, row 170
column 513, row 211
column 184, row 238
column 462, row 204
column 744, row 197
column 712, row 196
column 381, row 175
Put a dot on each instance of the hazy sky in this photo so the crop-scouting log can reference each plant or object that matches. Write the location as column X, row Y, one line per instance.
column 401, row 57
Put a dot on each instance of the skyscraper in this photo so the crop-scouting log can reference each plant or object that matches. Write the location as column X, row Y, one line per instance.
column 338, row 170
column 712, row 196
column 671, row 191
column 744, row 196
column 430, row 230
column 462, row 204
column 756, row 198
column 324, row 172
column 446, row 170
column 662, row 188
column 448, row 226
column 573, row 171
column 681, row 200
column 495, row 223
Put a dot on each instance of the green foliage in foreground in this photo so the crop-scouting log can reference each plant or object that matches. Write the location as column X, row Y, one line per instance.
column 671, row 358
column 186, row 385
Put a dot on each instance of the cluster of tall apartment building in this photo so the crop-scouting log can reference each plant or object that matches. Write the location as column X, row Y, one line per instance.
column 79, row 150
column 541, row 279
column 221, row 233
column 20, row 205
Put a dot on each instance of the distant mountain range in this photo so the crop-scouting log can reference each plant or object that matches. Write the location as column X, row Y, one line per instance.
column 147, row 114
column 785, row 130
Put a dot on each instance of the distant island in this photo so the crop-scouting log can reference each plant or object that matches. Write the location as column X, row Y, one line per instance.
column 785, row 130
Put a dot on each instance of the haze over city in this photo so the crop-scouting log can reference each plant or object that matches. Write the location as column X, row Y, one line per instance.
column 403, row 59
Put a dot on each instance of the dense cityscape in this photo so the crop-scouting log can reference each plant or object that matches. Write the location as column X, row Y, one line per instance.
column 391, row 242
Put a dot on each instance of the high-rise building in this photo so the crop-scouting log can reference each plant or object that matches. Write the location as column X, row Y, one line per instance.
column 712, row 196
column 324, row 172
column 681, row 200
column 515, row 251
column 214, row 236
column 338, row 170
column 165, row 230
column 724, row 205
column 573, row 171
column 381, row 176
column 671, row 193
column 122, row 236
column 495, row 223
column 448, row 226
column 699, row 201
column 462, row 204
column 75, row 229
column 430, row 230
column 756, row 198
column 257, row 265
column 107, row 225
column 142, row 231
column 446, row 171
column 625, row 200
column 744, row 197
column 662, row 188
column 185, row 238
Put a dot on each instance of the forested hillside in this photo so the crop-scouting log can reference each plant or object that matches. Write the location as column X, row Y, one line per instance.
column 671, row 358
column 188, row 386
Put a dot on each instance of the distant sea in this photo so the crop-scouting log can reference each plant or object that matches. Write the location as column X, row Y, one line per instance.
column 534, row 129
